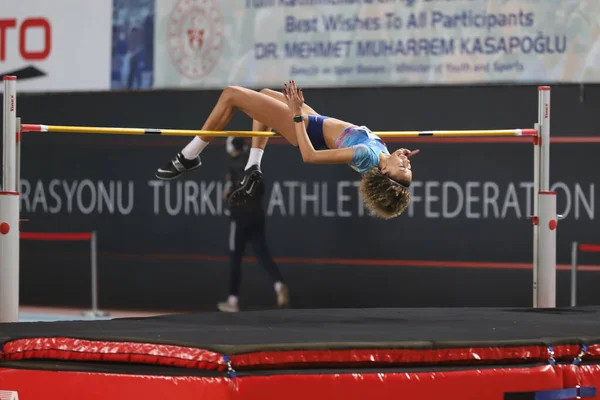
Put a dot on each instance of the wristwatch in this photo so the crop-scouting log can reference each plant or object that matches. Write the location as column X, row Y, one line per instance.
column 298, row 118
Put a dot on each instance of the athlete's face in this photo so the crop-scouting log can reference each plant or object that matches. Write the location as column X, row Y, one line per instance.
column 398, row 166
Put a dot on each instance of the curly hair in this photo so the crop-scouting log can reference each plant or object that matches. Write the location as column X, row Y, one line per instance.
column 384, row 197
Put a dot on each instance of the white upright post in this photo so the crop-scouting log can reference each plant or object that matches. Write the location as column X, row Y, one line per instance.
column 18, row 162
column 547, row 250
column 9, row 209
column 547, row 217
column 536, row 190
column 9, row 134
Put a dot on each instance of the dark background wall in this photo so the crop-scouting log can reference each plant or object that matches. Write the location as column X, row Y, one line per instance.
column 165, row 246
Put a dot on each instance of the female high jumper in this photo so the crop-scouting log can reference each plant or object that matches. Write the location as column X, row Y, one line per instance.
column 322, row 140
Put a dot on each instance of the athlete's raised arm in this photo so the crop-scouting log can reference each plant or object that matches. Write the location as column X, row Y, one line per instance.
column 295, row 99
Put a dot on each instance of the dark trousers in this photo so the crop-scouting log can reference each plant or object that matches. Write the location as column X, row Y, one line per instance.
column 242, row 230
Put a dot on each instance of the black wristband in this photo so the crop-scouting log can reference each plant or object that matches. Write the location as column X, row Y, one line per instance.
column 298, row 118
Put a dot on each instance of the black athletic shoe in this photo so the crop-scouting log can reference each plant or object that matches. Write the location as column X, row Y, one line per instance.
column 177, row 166
column 249, row 186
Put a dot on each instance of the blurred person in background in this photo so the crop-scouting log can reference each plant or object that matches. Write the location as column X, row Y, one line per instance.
column 247, row 223
column 132, row 44
column 133, row 67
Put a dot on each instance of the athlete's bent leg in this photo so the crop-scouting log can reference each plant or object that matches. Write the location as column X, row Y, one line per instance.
column 260, row 143
column 253, row 178
column 258, row 106
column 306, row 109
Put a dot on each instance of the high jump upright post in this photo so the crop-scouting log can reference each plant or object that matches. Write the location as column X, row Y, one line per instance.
column 545, row 218
column 9, row 208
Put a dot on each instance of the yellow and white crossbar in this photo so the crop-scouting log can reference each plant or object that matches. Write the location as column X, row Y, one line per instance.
column 187, row 132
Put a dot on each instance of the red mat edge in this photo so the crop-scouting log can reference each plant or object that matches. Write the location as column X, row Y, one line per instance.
column 463, row 355
column 61, row 348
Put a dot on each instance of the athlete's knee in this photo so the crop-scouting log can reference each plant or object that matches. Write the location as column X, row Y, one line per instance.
column 230, row 94
column 267, row 91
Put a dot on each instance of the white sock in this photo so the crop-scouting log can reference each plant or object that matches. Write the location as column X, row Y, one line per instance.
column 194, row 148
column 254, row 157
column 278, row 286
column 232, row 300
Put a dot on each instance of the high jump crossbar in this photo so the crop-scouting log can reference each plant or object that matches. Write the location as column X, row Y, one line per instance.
column 544, row 218
column 187, row 132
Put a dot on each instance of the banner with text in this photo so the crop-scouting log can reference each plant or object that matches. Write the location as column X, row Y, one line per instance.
column 58, row 45
column 258, row 43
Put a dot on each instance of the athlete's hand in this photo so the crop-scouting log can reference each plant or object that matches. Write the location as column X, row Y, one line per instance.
column 408, row 153
column 293, row 97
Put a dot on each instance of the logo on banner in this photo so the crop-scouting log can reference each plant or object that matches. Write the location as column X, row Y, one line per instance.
column 195, row 37
column 24, row 31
